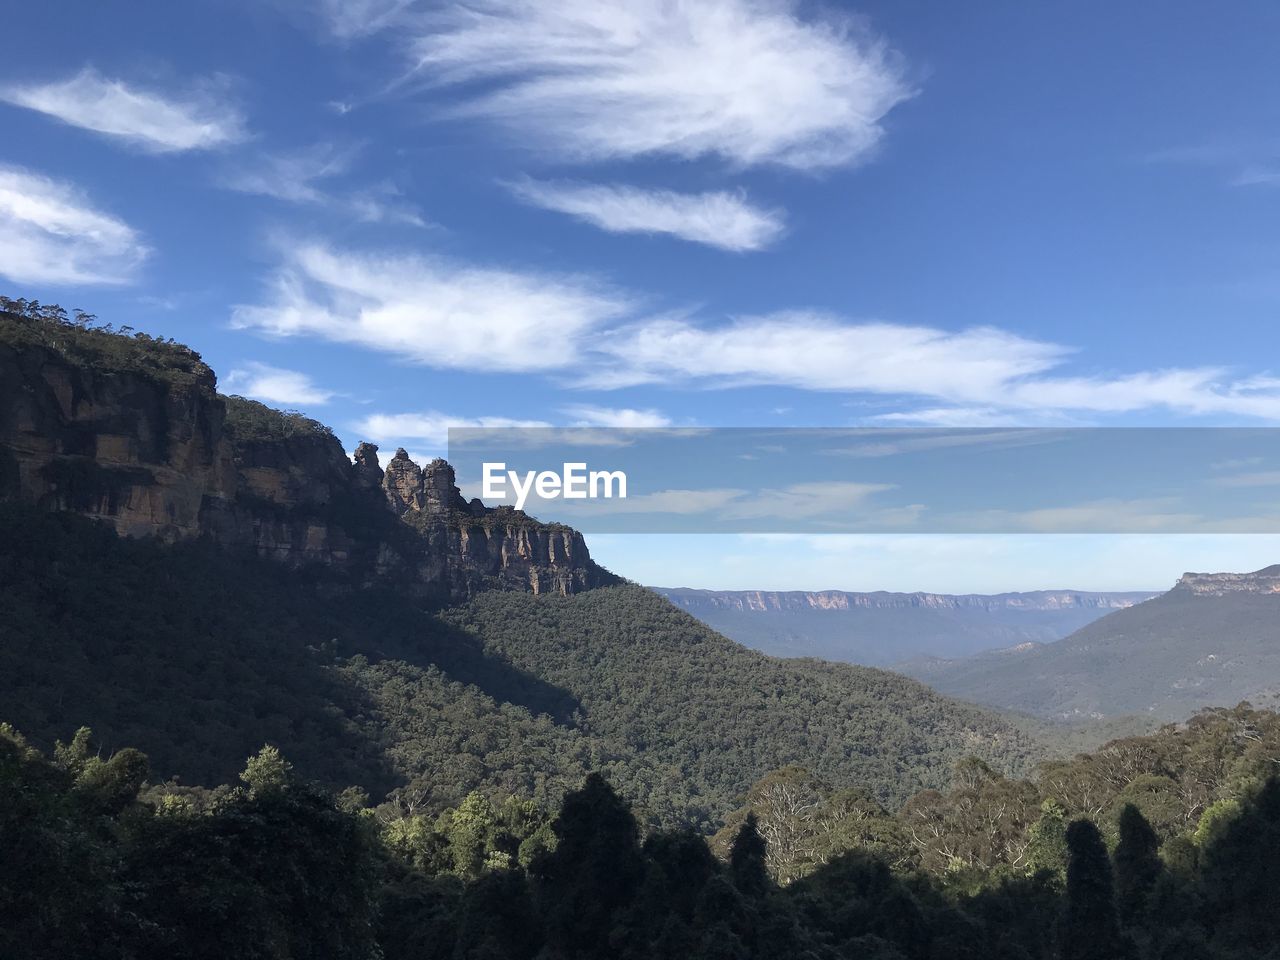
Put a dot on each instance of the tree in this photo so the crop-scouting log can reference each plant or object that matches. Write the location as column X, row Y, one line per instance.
column 1137, row 864
column 593, row 874
column 267, row 772
column 1089, row 929
column 747, row 859
column 1047, row 841
column 1241, row 873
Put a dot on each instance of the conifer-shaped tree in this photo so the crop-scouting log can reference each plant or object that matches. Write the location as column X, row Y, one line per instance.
column 1089, row 929
column 1137, row 864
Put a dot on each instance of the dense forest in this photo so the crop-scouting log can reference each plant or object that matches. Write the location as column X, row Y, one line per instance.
column 513, row 691
column 99, row 862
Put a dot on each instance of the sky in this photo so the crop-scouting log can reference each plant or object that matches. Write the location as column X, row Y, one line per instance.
column 399, row 216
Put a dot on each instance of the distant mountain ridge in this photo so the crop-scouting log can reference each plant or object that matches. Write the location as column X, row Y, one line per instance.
column 881, row 628
column 1212, row 640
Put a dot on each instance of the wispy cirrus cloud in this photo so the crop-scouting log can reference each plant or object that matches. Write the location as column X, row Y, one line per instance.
column 749, row 81
column 816, row 351
column 433, row 310
column 154, row 121
column 720, row 219
column 261, row 381
column 451, row 314
column 353, row 19
column 54, row 234
column 301, row 177
column 584, row 415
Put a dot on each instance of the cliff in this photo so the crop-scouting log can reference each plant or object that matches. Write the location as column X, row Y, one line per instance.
column 765, row 601
column 1264, row 581
column 131, row 431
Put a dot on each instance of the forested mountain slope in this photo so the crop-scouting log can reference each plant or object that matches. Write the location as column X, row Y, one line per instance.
column 707, row 711
column 1213, row 640
column 199, row 656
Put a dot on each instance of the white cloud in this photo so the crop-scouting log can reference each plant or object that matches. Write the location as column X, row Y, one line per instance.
column 620, row 417
column 434, row 311
column 275, row 385
column 297, row 177
column 747, row 80
column 150, row 120
column 719, row 219
column 53, row 234
column 955, row 417
column 451, row 314
column 819, row 352
column 291, row 177
column 431, row 426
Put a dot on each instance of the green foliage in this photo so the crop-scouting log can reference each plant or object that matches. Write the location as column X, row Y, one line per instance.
column 513, row 693
column 1047, row 841
column 248, row 421
column 277, row 869
column 714, row 717
column 267, row 772
column 78, row 337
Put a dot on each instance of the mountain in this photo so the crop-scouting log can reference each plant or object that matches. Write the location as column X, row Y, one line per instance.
column 1213, row 639
column 884, row 629
column 130, row 430
column 195, row 575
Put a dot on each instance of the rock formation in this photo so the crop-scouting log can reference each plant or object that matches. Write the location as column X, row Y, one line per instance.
column 1266, row 580
column 131, row 431
column 764, row 601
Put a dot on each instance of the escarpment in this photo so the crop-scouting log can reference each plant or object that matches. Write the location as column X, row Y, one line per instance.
column 1265, row 581
column 131, row 431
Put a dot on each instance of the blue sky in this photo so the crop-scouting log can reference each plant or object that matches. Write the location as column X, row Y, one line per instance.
column 397, row 216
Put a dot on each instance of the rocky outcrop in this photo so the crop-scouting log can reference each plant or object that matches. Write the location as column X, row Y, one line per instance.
column 1264, row 581
column 131, row 432
column 763, row 601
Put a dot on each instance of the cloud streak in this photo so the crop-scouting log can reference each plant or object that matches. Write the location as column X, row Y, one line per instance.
column 142, row 118
column 431, row 426
column 299, row 177
column 625, row 418
column 53, row 234
column 717, row 219
column 275, row 385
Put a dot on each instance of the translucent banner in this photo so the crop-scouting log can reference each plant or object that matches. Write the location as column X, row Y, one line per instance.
column 749, row 480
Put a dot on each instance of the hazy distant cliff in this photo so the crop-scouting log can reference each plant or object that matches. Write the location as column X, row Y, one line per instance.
column 777, row 601
column 1266, row 580
column 884, row 629
column 131, row 431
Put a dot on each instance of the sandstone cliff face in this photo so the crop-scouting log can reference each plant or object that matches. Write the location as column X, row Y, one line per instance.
column 138, row 452
column 133, row 433
column 499, row 545
column 1264, row 581
column 763, row 601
